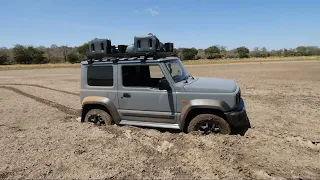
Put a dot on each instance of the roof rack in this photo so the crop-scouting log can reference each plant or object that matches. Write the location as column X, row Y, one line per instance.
column 147, row 46
column 143, row 56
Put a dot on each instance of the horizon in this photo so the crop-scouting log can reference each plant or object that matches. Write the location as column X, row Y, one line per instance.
column 273, row 25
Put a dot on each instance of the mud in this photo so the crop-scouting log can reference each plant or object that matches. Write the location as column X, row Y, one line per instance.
column 47, row 102
column 40, row 137
column 39, row 86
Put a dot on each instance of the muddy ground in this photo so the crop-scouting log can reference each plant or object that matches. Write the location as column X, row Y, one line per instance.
column 40, row 137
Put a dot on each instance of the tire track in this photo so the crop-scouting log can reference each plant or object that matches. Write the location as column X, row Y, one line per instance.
column 55, row 105
column 44, row 87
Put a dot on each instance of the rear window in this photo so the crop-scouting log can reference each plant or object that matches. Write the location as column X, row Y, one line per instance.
column 100, row 76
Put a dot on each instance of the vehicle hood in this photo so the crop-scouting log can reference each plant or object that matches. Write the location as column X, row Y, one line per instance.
column 213, row 85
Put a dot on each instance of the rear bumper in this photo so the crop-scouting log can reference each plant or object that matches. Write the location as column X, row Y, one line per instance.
column 238, row 118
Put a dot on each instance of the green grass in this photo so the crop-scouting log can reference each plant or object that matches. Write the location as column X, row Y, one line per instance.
column 187, row 62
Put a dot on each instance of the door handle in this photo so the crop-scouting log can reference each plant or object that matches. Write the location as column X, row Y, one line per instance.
column 127, row 95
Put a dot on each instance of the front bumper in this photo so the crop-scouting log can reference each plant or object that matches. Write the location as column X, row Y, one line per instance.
column 238, row 118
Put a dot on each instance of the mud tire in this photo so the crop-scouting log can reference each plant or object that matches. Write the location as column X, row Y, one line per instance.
column 102, row 114
column 222, row 124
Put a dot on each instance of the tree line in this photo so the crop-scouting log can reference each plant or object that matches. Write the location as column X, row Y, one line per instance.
column 221, row 52
column 20, row 54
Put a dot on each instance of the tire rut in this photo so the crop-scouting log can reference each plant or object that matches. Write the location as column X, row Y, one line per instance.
column 39, row 86
column 55, row 105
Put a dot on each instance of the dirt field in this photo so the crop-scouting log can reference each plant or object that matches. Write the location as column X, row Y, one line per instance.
column 40, row 137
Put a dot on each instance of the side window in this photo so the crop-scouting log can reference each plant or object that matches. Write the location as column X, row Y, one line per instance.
column 174, row 69
column 141, row 75
column 100, row 75
column 155, row 72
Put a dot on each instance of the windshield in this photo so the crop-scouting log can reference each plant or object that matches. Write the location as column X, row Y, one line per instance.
column 177, row 70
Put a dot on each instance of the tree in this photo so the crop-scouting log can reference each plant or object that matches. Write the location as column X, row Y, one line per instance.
column 243, row 52
column 201, row 54
column 65, row 50
column 213, row 52
column 223, row 51
column 37, row 55
column 28, row 55
column 83, row 49
column 21, row 55
column 264, row 52
column 255, row 52
column 73, row 57
column 189, row 53
column 3, row 57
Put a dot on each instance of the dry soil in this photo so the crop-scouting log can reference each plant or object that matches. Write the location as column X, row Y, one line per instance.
column 40, row 137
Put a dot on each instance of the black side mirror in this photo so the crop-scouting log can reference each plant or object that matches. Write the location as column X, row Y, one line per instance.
column 164, row 85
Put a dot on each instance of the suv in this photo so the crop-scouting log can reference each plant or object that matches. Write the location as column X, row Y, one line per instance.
column 160, row 93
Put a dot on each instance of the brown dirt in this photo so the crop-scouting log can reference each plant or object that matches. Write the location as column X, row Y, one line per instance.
column 40, row 137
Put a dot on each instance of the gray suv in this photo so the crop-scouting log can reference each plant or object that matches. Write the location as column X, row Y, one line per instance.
column 157, row 92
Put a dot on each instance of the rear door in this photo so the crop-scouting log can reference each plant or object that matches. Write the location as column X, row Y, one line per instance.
column 139, row 96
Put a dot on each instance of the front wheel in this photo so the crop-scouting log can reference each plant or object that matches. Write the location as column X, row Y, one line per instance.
column 98, row 117
column 209, row 123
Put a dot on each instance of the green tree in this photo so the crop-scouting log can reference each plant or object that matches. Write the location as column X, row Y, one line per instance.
column 212, row 52
column 21, row 55
column 37, row 55
column 189, row 53
column 28, row 55
column 3, row 57
column 73, row 57
column 264, row 52
column 83, row 49
column 243, row 52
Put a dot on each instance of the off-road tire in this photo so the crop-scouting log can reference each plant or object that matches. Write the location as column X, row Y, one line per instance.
column 108, row 120
column 218, row 121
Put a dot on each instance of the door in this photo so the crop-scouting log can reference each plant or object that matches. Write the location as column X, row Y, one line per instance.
column 139, row 96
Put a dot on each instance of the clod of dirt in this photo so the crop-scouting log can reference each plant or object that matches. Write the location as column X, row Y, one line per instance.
column 164, row 146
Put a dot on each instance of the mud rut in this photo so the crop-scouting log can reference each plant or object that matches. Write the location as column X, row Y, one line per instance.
column 60, row 107
column 39, row 86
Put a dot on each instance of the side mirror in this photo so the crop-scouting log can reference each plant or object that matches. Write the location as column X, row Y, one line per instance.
column 164, row 85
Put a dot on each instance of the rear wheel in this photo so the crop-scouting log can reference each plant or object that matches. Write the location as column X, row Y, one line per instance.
column 209, row 123
column 98, row 117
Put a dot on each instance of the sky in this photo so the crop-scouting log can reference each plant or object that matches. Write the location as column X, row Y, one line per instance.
column 273, row 24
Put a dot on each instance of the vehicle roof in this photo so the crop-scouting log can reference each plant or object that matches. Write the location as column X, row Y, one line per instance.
column 124, row 61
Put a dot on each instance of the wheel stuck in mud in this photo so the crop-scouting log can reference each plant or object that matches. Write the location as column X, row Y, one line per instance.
column 209, row 123
column 98, row 117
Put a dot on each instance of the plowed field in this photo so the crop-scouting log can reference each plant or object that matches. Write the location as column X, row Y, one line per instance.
column 41, row 138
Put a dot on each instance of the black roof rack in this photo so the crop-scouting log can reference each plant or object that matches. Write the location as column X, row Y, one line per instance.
column 143, row 56
column 147, row 46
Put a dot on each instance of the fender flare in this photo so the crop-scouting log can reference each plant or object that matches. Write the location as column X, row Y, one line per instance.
column 104, row 101
column 201, row 103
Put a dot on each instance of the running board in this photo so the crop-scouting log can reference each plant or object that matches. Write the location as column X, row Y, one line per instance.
column 149, row 124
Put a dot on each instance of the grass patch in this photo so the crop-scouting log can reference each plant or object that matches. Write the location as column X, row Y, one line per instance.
column 186, row 62
column 37, row 66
